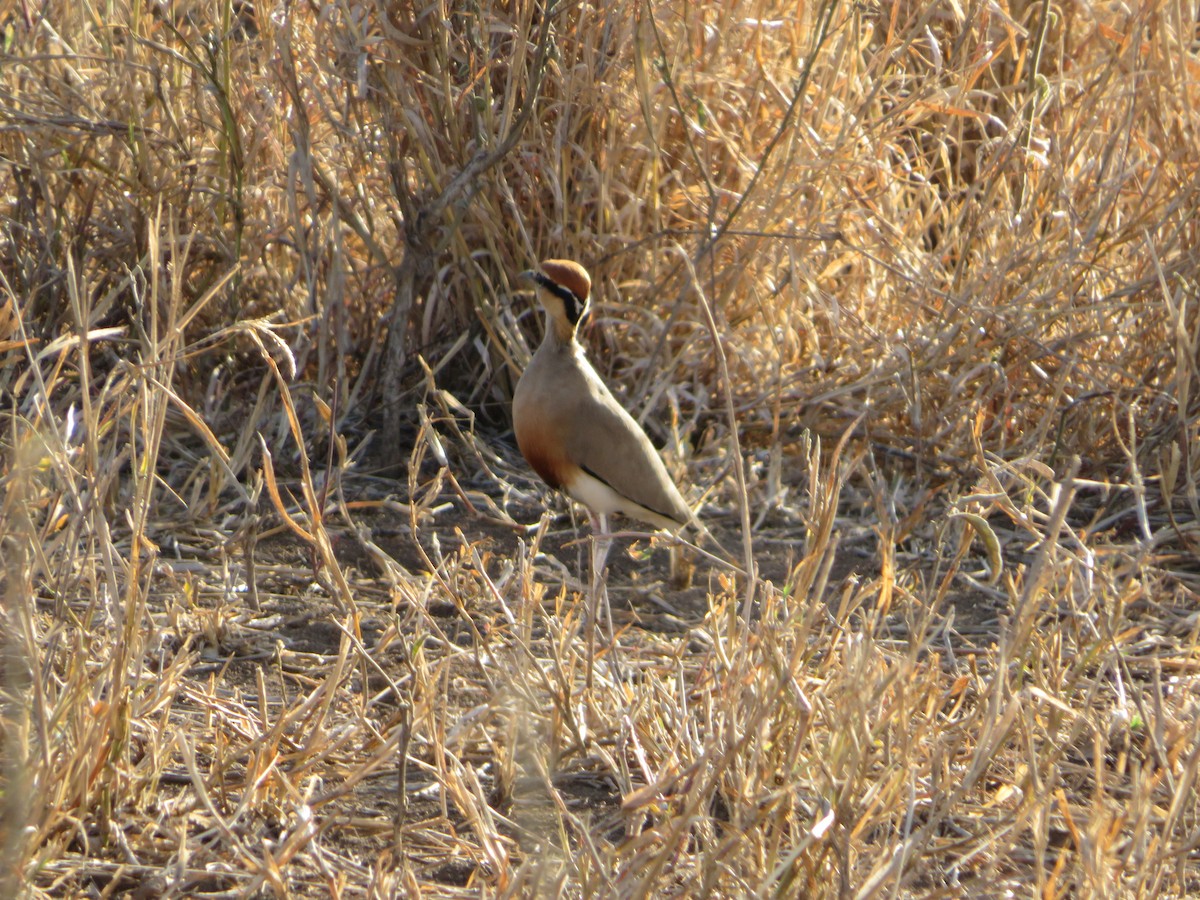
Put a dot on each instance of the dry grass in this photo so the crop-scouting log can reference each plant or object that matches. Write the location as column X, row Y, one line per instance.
column 938, row 260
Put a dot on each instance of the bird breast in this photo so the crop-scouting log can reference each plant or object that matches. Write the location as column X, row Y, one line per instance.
column 550, row 386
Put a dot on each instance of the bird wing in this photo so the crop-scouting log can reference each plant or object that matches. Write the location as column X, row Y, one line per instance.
column 606, row 442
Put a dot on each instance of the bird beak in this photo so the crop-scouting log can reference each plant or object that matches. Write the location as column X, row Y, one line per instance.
column 529, row 275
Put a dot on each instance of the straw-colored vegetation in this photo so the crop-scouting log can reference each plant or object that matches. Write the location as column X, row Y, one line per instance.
column 284, row 612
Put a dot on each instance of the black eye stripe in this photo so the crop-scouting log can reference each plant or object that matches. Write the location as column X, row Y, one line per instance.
column 571, row 303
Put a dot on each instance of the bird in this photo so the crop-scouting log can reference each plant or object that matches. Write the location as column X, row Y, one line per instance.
column 579, row 439
column 571, row 429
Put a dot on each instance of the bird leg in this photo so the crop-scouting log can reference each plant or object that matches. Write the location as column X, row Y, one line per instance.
column 601, row 543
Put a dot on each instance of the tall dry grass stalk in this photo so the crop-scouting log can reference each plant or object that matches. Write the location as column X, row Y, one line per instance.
column 908, row 293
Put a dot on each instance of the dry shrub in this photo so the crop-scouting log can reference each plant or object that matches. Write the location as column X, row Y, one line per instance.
column 937, row 262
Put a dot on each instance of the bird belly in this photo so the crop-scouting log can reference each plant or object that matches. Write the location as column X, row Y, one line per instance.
column 595, row 494
column 602, row 499
column 542, row 451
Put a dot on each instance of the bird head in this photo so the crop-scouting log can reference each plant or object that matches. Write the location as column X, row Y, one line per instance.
column 563, row 287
